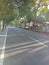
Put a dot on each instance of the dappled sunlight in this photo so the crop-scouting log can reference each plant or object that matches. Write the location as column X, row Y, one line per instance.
column 2, row 56
column 36, row 49
column 23, row 47
column 19, row 50
column 2, row 53
column 24, row 32
column 2, row 35
column 2, row 48
column 47, row 41
column 48, row 7
column 23, row 50
column 15, row 52
column 26, row 43
column 32, row 43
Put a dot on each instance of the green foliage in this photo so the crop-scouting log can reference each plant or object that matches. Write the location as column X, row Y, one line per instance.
column 9, row 12
column 47, row 16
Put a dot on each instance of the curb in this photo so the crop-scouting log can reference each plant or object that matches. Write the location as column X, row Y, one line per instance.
column 37, row 31
column 43, row 32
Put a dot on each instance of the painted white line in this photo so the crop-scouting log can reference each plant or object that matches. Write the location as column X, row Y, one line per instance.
column 39, row 42
column 3, row 50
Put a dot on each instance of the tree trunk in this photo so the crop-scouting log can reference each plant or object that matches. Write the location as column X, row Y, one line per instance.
column 34, row 23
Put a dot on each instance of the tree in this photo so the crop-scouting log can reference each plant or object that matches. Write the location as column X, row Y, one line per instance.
column 37, row 6
column 24, row 7
column 6, row 10
column 47, row 16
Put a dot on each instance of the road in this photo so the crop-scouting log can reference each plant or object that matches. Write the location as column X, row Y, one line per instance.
column 2, row 45
column 24, row 47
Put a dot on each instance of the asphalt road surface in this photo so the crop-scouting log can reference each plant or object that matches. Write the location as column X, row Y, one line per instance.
column 2, row 45
column 24, row 47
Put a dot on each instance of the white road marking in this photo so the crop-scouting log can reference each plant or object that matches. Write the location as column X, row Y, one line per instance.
column 3, row 50
column 39, row 42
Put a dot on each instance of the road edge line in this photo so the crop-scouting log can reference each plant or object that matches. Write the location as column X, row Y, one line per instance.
column 3, row 49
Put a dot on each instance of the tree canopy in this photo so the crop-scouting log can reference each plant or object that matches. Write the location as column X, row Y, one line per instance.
column 11, row 9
